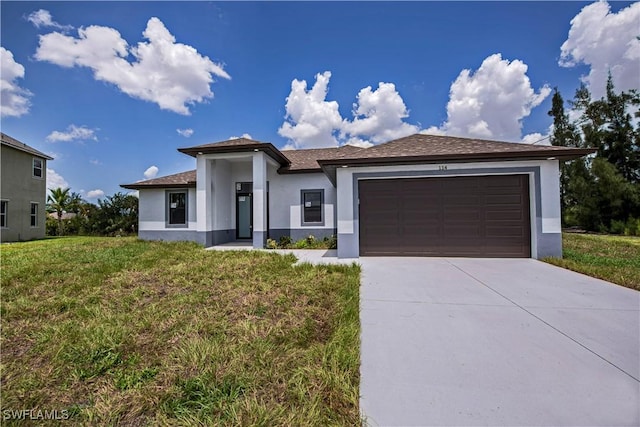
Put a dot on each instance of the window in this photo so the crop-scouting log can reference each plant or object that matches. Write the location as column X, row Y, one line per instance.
column 312, row 201
column 37, row 168
column 177, row 208
column 34, row 214
column 4, row 207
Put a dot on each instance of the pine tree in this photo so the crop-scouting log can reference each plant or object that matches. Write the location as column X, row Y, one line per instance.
column 564, row 134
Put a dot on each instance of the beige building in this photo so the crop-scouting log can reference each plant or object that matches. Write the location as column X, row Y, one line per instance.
column 23, row 191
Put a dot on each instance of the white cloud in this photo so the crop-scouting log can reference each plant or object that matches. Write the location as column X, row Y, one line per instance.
column 378, row 115
column 42, row 18
column 185, row 132
column 14, row 99
column 73, row 133
column 151, row 172
column 311, row 120
column 95, row 162
column 492, row 101
column 95, row 194
column 606, row 42
column 537, row 139
column 244, row 135
column 55, row 180
column 172, row 75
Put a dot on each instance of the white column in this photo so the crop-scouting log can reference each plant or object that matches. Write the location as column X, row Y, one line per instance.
column 204, row 200
column 550, row 183
column 259, row 199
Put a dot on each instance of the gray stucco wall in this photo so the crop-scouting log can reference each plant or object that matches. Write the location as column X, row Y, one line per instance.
column 19, row 188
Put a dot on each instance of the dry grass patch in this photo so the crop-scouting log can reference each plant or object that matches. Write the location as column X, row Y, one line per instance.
column 120, row 331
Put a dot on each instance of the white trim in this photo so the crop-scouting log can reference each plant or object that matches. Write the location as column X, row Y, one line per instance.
column 36, row 214
column 551, row 225
column 6, row 214
column 161, row 226
column 33, row 168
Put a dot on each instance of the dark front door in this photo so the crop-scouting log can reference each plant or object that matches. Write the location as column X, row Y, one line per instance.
column 244, row 216
column 477, row 216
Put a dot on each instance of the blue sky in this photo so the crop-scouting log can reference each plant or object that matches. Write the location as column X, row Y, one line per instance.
column 93, row 84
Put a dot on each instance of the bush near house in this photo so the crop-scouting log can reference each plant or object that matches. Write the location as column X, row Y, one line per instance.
column 131, row 332
column 310, row 242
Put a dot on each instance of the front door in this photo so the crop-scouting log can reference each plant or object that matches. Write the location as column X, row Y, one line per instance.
column 244, row 216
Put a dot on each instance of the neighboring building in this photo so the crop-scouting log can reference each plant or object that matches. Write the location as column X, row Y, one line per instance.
column 24, row 191
column 422, row 195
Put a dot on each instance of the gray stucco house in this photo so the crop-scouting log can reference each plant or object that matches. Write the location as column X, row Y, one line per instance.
column 24, row 191
column 421, row 195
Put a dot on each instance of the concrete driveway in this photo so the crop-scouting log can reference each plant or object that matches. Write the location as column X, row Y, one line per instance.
column 454, row 341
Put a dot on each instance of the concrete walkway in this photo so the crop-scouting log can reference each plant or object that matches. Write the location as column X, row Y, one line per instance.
column 496, row 342
column 312, row 256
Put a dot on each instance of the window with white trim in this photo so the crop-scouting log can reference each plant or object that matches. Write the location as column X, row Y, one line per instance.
column 312, row 207
column 34, row 214
column 177, row 208
column 4, row 207
column 37, row 167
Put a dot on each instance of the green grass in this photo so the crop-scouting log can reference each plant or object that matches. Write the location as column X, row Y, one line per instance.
column 612, row 258
column 122, row 331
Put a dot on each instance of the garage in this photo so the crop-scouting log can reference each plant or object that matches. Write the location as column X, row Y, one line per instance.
column 463, row 216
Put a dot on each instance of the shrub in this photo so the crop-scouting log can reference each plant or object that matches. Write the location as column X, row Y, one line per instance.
column 632, row 227
column 272, row 244
column 331, row 242
column 285, row 242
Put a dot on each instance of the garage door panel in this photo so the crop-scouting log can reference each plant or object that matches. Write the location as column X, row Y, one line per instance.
column 510, row 231
column 446, row 216
column 460, row 200
column 464, row 232
column 503, row 200
column 505, row 215
column 461, row 214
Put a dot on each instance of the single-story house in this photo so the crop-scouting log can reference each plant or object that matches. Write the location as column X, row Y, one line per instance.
column 421, row 195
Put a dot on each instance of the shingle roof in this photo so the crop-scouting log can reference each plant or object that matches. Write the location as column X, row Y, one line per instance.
column 178, row 180
column 435, row 146
column 421, row 148
column 237, row 145
column 307, row 160
column 14, row 143
column 416, row 148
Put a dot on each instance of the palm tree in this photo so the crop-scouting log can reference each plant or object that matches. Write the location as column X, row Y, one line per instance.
column 58, row 201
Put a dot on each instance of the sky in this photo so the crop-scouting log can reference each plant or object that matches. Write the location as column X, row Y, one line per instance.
column 112, row 89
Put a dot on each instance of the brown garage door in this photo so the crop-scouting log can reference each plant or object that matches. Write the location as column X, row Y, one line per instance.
column 479, row 216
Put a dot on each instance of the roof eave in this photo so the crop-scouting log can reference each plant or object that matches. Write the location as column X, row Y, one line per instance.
column 30, row 150
column 286, row 171
column 568, row 154
column 329, row 166
column 148, row 186
column 266, row 147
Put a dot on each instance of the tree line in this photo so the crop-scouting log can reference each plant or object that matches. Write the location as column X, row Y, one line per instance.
column 600, row 192
column 69, row 214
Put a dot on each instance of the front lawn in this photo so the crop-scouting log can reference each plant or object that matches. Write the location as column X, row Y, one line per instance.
column 121, row 331
column 612, row 258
